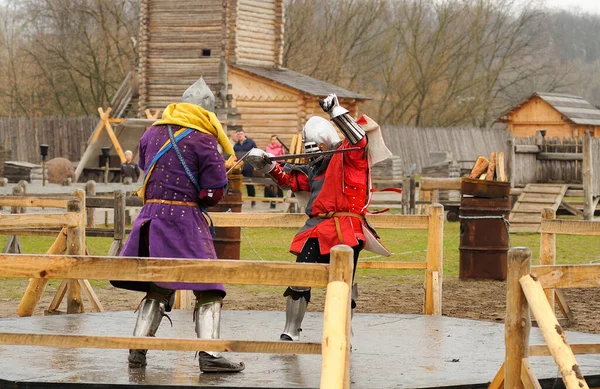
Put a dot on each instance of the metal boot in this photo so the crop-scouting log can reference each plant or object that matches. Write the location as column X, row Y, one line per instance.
column 294, row 314
column 208, row 323
column 150, row 314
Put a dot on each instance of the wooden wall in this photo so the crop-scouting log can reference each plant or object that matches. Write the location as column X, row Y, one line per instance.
column 21, row 137
column 536, row 114
column 256, row 32
column 173, row 36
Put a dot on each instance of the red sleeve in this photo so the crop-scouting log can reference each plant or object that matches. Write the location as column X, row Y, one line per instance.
column 356, row 158
column 211, row 197
column 295, row 180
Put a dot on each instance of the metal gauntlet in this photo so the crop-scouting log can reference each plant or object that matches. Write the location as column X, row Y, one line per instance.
column 339, row 115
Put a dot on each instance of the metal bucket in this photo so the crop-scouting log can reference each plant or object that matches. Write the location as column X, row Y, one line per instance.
column 227, row 240
column 484, row 232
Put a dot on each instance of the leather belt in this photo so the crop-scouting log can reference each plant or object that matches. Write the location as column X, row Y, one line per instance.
column 173, row 202
column 334, row 216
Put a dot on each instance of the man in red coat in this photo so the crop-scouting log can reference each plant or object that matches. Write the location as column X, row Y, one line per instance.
column 339, row 188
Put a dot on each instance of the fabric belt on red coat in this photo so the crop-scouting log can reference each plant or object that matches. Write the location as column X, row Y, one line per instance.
column 335, row 217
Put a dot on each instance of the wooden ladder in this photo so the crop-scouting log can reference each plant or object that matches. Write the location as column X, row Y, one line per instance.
column 526, row 215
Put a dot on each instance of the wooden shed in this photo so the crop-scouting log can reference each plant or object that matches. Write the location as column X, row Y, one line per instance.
column 237, row 47
column 563, row 116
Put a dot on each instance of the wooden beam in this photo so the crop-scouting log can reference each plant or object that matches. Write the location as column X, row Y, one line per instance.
column 571, row 227
column 30, row 201
column 553, row 334
column 74, row 247
column 40, row 220
column 164, row 269
column 435, row 254
column 111, row 133
column 560, row 157
column 542, row 350
column 298, row 220
column 151, row 343
column 527, row 149
column 501, row 168
column 568, row 276
column 498, row 381
column 548, row 248
column 528, row 378
column 518, row 323
column 430, row 183
column 588, row 178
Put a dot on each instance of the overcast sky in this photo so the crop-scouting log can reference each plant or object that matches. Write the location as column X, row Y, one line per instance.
column 592, row 6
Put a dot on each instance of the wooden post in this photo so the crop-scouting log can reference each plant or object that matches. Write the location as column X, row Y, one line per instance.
column 74, row 247
column 90, row 190
column 510, row 159
column 405, row 195
column 413, row 187
column 335, row 372
column 548, row 249
column 36, row 286
column 435, row 254
column 119, row 223
column 553, row 334
column 518, row 323
column 588, row 177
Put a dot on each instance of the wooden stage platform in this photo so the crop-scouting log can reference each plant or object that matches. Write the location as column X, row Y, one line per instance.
column 389, row 351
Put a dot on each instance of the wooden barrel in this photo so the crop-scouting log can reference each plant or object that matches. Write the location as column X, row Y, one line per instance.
column 484, row 230
column 227, row 240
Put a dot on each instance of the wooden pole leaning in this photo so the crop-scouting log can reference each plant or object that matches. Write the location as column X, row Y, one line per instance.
column 335, row 372
column 548, row 249
column 36, row 286
column 13, row 243
column 518, row 322
column 435, row 254
column 553, row 334
column 588, row 178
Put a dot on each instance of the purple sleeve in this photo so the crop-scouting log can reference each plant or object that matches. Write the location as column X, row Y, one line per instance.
column 211, row 169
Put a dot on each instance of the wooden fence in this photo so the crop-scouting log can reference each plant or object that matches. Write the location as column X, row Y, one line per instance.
column 414, row 144
column 21, row 137
column 336, row 277
column 528, row 289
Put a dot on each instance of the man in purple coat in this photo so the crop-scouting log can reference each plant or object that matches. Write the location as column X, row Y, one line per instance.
column 184, row 174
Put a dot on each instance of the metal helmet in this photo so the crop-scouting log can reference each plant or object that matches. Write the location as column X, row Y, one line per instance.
column 199, row 94
column 319, row 131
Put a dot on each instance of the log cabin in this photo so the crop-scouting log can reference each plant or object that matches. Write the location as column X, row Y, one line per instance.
column 561, row 115
column 237, row 46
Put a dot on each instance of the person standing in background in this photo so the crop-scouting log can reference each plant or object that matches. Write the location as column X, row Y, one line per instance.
column 241, row 147
column 129, row 169
column 276, row 149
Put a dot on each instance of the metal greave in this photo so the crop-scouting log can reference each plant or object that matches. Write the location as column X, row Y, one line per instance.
column 294, row 314
column 150, row 314
column 208, row 322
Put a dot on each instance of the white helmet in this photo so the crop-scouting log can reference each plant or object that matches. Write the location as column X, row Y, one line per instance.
column 318, row 132
column 199, row 94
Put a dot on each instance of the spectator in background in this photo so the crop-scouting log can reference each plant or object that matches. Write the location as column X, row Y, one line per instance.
column 276, row 149
column 129, row 169
column 241, row 147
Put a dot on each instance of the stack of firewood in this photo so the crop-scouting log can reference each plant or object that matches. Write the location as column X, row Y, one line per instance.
column 491, row 169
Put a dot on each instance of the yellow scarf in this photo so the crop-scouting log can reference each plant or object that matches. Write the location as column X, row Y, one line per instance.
column 195, row 117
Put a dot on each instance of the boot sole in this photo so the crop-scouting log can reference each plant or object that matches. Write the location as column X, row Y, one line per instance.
column 223, row 369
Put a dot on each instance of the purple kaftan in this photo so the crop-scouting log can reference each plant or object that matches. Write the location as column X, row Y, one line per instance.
column 177, row 231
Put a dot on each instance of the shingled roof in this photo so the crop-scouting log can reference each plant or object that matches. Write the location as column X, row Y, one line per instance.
column 301, row 82
column 574, row 108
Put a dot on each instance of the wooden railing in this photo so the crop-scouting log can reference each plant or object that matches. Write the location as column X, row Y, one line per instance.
column 527, row 290
column 337, row 277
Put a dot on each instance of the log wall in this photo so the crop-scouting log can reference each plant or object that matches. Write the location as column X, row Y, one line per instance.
column 178, row 44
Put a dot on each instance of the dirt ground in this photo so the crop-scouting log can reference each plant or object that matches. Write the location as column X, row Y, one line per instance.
column 479, row 300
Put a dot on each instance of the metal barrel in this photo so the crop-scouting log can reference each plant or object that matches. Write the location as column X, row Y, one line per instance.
column 227, row 240
column 484, row 210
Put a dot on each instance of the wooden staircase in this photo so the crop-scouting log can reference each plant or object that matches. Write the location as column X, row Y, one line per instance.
column 526, row 215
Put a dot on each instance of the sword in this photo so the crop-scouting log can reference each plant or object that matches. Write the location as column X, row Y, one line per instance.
column 237, row 163
column 311, row 155
column 287, row 149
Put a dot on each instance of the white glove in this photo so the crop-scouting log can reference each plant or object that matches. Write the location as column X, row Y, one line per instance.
column 258, row 159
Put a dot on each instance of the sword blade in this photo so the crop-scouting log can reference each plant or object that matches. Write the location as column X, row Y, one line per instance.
column 312, row 155
column 238, row 162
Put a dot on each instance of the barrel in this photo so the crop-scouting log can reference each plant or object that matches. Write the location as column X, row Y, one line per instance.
column 227, row 240
column 484, row 210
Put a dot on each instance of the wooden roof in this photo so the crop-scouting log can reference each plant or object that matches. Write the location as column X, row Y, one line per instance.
column 300, row 82
column 574, row 108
